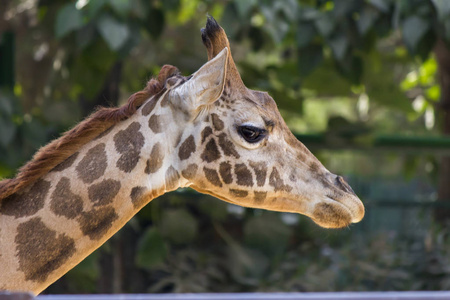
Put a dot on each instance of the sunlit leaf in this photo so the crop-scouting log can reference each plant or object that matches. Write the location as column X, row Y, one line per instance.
column 433, row 93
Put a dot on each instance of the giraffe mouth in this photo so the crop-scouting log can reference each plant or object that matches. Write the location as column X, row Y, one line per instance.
column 338, row 213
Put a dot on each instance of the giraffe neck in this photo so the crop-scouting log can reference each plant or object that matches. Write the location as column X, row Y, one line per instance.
column 64, row 216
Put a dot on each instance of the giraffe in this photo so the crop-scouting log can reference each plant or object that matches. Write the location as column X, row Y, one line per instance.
column 206, row 131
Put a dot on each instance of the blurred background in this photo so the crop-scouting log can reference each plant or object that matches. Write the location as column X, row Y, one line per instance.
column 365, row 84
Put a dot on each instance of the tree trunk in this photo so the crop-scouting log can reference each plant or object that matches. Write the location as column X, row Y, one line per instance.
column 442, row 214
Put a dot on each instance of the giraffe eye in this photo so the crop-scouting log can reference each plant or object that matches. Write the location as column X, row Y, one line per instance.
column 251, row 134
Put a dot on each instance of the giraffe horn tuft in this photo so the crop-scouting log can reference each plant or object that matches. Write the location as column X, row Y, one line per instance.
column 215, row 40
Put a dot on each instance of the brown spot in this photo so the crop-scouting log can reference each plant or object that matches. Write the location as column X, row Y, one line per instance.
column 314, row 167
column 93, row 165
column 278, row 183
column 211, row 152
column 67, row 163
column 172, row 178
column 190, row 171
column 212, row 176
column 165, row 101
column 155, row 123
column 137, row 196
column 129, row 143
column 96, row 222
column 294, row 142
column 260, row 197
column 155, row 162
column 40, row 251
column 238, row 193
column 217, row 122
column 243, row 174
column 260, row 169
column 225, row 172
column 103, row 193
column 207, row 131
column 64, row 202
column 227, row 146
column 148, row 108
column 187, row 148
column 27, row 203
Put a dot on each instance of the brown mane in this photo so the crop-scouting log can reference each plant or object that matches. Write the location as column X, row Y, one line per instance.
column 60, row 149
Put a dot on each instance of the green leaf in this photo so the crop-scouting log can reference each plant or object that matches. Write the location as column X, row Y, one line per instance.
column 325, row 24
column 171, row 5
column 179, row 226
column 305, row 34
column 152, row 249
column 342, row 8
column 442, row 9
column 309, row 58
column 433, row 93
column 243, row 7
column 7, row 132
column 413, row 29
column 267, row 233
column 155, row 22
column 382, row 5
column 122, row 7
column 247, row 266
column 214, row 209
column 69, row 18
column 447, row 29
column 366, row 19
column 6, row 107
column 115, row 33
column 276, row 25
column 339, row 45
column 94, row 7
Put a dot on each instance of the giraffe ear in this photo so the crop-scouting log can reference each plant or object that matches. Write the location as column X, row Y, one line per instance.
column 206, row 85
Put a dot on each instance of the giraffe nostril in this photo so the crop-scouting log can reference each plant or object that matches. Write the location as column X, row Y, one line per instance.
column 343, row 185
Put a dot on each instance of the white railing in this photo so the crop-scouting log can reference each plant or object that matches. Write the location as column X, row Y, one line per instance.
column 420, row 295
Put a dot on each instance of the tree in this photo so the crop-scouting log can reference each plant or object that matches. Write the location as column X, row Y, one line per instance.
column 349, row 36
column 75, row 55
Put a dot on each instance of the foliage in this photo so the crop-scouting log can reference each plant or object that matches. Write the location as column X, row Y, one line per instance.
column 344, row 66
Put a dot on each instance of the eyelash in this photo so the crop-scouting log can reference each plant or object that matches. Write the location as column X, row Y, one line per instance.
column 251, row 134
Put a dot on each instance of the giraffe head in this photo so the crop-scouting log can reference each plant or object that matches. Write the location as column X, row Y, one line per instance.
column 237, row 147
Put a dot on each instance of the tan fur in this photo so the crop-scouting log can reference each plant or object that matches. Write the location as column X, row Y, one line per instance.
column 60, row 149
